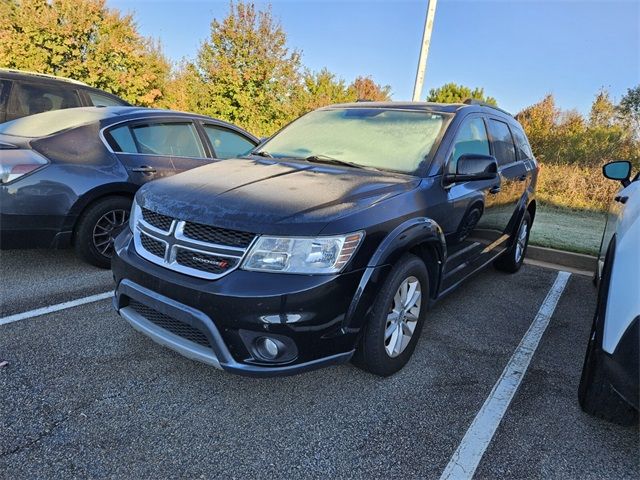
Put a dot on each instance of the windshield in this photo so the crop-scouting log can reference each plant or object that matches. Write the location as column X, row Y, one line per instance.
column 386, row 139
column 48, row 123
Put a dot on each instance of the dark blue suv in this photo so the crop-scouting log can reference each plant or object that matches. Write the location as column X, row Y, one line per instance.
column 330, row 240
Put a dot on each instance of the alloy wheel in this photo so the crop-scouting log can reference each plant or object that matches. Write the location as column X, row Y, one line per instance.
column 403, row 317
column 521, row 241
column 107, row 228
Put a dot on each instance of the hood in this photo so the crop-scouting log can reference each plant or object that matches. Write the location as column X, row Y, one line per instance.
column 265, row 196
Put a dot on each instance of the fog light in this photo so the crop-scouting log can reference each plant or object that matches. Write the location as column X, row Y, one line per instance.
column 267, row 348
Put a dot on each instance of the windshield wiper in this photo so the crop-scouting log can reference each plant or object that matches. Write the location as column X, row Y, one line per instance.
column 262, row 153
column 334, row 161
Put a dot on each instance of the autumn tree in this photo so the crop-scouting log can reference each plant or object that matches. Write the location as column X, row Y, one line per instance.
column 366, row 89
column 324, row 88
column 454, row 93
column 83, row 40
column 568, row 138
column 246, row 73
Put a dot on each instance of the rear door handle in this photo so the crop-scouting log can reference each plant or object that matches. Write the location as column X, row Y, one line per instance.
column 495, row 189
column 144, row 169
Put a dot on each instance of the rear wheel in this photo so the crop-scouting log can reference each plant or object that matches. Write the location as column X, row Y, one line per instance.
column 396, row 319
column 98, row 227
column 511, row 260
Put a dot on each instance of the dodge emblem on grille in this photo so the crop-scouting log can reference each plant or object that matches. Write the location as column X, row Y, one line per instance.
column 208, row 261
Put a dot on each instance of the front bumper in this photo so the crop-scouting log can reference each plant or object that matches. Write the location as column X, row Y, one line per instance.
column 217, row 321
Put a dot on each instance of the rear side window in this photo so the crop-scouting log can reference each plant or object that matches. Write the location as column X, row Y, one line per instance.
column 471, row 138
column 227, row 144
column 29, row 99
column 522, row 145
column 99, row 100
column 504, row 149
column 168, row 139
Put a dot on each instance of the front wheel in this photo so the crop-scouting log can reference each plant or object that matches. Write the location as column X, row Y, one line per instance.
column 396, row 319
column 511, row 260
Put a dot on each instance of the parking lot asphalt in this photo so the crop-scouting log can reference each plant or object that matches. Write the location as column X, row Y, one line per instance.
column 84, row 395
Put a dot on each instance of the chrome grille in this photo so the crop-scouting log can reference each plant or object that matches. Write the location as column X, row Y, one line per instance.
column 157, row 220
column 194, row 249
column 174, row 326
column 219, row 236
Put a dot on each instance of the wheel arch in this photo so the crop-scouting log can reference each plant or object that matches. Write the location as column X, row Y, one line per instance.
column 91, row 197
column 422, row 237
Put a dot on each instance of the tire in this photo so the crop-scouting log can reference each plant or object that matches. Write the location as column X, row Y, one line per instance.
column 101, row 222
column 595, row 393
column 512, row 259
column 376, row 353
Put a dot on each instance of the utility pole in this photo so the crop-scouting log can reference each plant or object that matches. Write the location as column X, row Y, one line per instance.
column 424, row 50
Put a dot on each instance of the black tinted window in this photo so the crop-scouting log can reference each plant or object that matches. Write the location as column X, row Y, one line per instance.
column 504, row 149
column 522, row 145
column 171, row 139
column 227, row 144
column 29, row 99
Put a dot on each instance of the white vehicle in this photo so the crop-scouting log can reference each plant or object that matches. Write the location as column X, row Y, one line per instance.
column 609, row 384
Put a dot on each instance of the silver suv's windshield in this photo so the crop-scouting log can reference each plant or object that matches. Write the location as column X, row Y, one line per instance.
column 381, row 138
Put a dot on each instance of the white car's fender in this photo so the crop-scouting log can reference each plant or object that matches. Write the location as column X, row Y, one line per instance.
column 623, row 301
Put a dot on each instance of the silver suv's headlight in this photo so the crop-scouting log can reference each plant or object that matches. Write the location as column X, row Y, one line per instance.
column 320, row 255
column 135, row 215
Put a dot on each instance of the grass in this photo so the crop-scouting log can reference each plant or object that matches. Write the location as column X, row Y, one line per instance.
column 568, row 229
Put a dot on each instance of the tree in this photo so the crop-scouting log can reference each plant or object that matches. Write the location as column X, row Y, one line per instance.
column 366, row 89
column 324, row 88
column 247, row 74
column 454, row 93
column 630, row 109
column 83, row 40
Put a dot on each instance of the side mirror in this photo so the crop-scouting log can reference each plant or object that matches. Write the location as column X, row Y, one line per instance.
column 474, row 166
column 620, row 170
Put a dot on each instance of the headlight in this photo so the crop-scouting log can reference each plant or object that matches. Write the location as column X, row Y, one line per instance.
column 302, row 255
column 134, row 215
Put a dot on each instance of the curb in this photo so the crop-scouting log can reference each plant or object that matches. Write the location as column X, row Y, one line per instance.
column 579, row 261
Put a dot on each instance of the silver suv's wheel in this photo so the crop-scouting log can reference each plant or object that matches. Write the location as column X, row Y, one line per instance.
column 403, row 318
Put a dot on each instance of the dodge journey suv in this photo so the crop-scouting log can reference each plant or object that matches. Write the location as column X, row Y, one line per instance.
column 330, row 240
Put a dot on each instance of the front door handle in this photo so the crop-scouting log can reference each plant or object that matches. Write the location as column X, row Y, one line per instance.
column 144, row 169
column 495, row 189
column 621, row 199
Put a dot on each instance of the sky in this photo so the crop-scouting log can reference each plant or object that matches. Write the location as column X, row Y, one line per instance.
column 518, row 51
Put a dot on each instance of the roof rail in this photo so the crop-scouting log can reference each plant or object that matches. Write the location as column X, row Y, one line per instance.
column 45, row 75
column 473, row 101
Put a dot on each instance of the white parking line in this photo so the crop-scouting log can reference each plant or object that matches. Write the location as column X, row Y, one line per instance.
column 55, row 308
column 467, row 456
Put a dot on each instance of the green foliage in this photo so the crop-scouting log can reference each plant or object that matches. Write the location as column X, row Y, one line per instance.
column 244, row 72
column 324, row 88
column 454, row 93
column 83, row 40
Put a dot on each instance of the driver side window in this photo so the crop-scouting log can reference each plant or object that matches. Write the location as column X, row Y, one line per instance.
column 471, row 138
